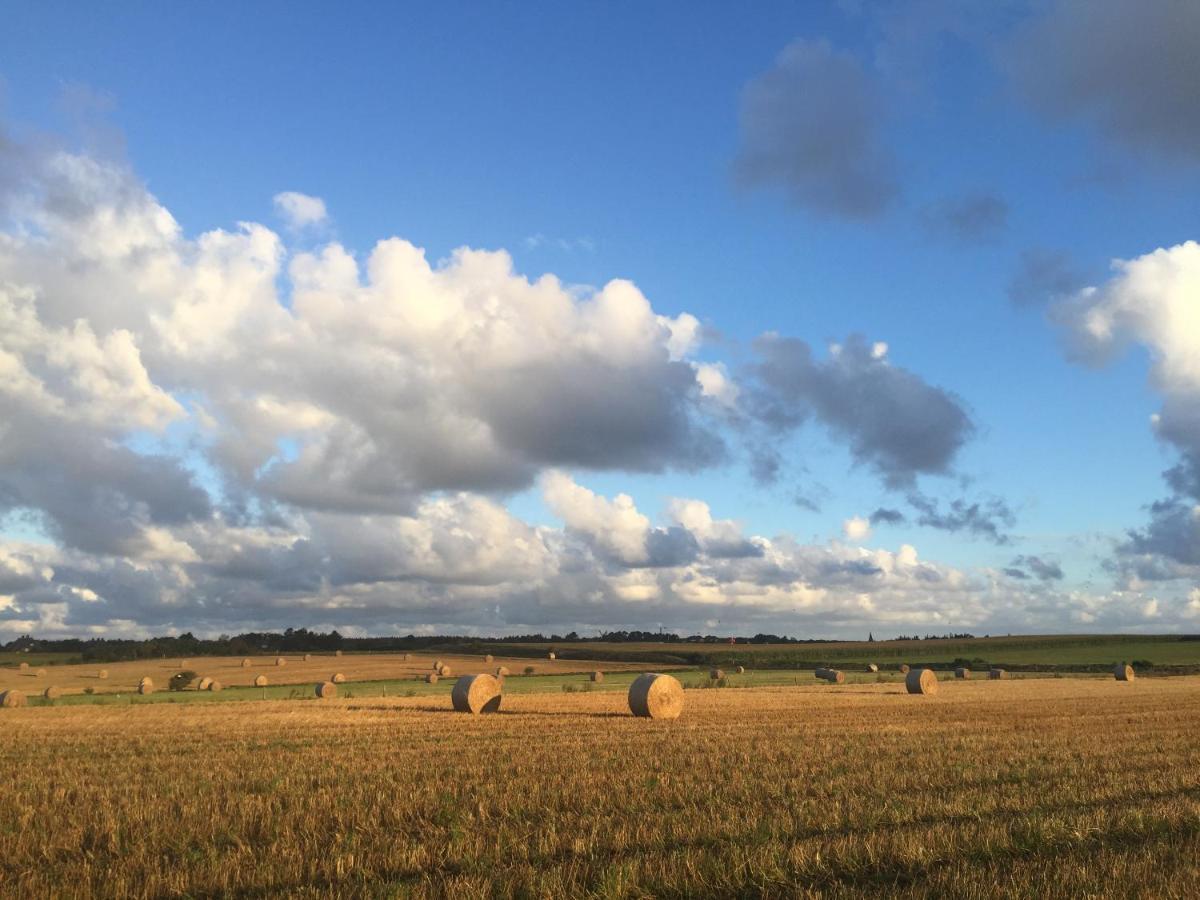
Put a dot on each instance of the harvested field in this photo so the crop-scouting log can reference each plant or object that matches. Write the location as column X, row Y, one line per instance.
column 123, row 677
column 754, row 791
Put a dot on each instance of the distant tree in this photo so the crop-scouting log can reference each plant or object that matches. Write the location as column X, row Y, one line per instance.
column 870, row 638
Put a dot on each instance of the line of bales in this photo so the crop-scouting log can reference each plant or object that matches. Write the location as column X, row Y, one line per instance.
column 924, row 681
column 652, row 695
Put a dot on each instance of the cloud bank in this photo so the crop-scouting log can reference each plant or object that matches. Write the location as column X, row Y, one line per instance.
column 223, row 432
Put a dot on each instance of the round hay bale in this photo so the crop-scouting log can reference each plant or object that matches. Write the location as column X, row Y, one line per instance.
column 245, row 663
column 40, row 673
column 437, row 665
column 921, row 681
column 280, row 661
column 833, row 676
column 260, row 681
column 962, row 672
column 24, row 667
column 444, row 671
column 551, row 655
column 597, row 676
column 872, row 668
column 903, row 668
column 12, row 698
column 998, row 674
column 308, row 657
column 487, row 658
column 338, row 678
column 326, row 689
column 102, row 674
column 203, row 683
column 431, row 678
column 654, row 696
column 741, row 670
column 476, row 694
column 1123, row 672
column 146, row 686
column 52, row 693
column 337, row 652
column 714, row 674
column 214, row 685
column 501, row 671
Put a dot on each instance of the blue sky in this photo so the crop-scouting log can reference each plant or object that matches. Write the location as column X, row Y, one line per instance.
column 601, row 141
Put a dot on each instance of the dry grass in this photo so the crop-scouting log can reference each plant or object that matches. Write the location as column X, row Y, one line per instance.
column 1019, row 789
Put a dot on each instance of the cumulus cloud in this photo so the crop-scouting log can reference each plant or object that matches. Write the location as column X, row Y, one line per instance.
column 719, row 538
column 154, row 384
column 894, row 422
column 300, row 210
column 614, row 526
column 811, row 126
column 856, row 528
column 1129, row 68
column 1151, row 302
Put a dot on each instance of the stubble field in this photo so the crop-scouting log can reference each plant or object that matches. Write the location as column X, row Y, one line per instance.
column 1039, row 787
column 121, row 678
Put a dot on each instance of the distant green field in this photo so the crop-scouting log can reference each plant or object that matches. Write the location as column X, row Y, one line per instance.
column 1047, row 652
column 1051, row 653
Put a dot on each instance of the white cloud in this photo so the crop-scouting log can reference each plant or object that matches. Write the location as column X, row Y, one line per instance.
column 857, row 528
column 715, row 382
column 1150, row 300
column 300, row 210
column 615, row 525
column 1192, row 609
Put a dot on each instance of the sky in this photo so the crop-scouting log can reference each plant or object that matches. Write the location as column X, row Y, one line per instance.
column 497, row 318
